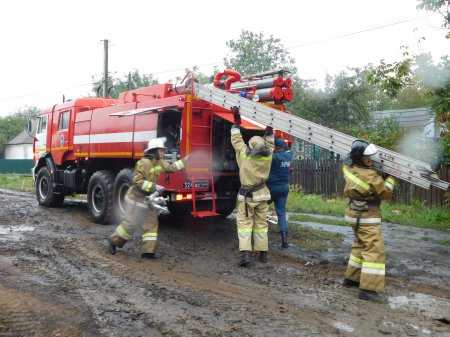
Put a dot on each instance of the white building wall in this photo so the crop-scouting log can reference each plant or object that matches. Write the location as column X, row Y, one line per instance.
column 20, row 151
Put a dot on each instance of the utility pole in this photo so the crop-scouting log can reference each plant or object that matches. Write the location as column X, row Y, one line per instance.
column 105, row 68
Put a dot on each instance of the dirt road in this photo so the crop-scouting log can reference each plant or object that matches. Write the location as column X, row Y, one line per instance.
column 56, row 279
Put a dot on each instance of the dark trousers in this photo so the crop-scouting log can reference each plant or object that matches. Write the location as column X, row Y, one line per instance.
column 279, row 195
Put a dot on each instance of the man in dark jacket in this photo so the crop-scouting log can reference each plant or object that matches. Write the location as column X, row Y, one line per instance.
column 279, row 185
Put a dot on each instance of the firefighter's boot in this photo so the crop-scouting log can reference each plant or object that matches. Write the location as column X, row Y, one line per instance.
column 263, row 257
column 245, row 258
column 350, row 283
column 369, row 295
column 284, row 242
column 114, row 242
column 148, row 256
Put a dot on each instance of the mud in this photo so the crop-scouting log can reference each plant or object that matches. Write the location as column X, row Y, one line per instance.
column 56, row 279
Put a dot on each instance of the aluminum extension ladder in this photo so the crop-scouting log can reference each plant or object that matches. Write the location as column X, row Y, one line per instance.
column 411, row 170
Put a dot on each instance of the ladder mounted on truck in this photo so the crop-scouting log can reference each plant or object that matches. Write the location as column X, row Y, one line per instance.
column 400, row 166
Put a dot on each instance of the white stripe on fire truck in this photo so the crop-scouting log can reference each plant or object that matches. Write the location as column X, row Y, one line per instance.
column 116, row 137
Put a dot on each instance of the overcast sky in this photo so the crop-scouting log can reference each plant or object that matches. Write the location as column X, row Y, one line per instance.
column 50, row 48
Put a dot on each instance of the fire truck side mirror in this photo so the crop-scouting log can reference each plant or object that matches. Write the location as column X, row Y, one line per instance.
column 31, row 127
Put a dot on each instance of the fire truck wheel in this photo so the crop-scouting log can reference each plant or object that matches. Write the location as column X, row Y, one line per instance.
column 100, row 197
column 122, row 183
column 44, row 189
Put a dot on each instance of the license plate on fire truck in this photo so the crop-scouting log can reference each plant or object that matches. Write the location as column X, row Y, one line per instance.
column 198, row 184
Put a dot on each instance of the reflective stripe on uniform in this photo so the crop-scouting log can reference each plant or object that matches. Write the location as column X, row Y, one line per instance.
column 235, row 131
column 123, row 233
column 179, row 164
column 156, row 170
column 350, row 176
column 149, row 236
column 260, row 230
column 245, row 230
column 355, row 262
column 374, row 268
column 147, row 185
column 263, row 158
column 363, row 220
column 389, row 185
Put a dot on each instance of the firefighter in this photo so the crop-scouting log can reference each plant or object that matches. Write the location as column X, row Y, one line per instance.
column 365, row 189
column 279, row 185
column 254, row 163
column 139, row 213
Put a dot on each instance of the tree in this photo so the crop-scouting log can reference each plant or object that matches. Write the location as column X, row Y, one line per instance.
column 391, row 78
column 254, row 53
column 440, row 6
column 131, row 81
column 343, row 102
column 11, row 126
column 385, row 133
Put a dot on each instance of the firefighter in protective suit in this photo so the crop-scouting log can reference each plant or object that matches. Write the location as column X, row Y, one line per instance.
column 365, row 188
column 139, row 213
column 254, row 163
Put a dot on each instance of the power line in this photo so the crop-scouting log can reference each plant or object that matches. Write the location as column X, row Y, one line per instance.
column 352, row 34
column 313, row 42
column 287, row 48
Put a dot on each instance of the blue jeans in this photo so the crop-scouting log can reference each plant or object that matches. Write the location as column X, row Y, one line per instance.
column 279, row 195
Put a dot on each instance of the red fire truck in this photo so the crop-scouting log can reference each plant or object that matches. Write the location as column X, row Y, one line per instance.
column 90, row 145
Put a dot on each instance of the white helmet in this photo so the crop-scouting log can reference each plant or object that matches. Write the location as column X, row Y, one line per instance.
column 370, row 150
column 156, row 143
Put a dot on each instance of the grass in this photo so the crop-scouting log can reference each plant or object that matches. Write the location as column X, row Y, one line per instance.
column 443, row 242
column 17, row 182
column 314, row 239
column 309, row 218
column 416, row 214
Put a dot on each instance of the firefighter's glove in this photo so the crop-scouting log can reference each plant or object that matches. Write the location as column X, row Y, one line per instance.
column 390, row 182
column 237, row 115
column 156, row 202
column 268, row 131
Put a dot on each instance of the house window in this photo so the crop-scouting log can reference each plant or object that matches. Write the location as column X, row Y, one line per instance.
column 64, row 120
column 42, row 127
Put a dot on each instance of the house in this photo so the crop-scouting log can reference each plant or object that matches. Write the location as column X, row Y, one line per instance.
column 20, row 147
column 419, row 120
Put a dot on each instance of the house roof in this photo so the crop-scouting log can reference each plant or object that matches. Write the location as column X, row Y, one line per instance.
column 21, row 138
column 406, row 118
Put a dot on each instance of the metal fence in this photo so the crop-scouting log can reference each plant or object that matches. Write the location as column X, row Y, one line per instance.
column 325, row 177
column 19, row 166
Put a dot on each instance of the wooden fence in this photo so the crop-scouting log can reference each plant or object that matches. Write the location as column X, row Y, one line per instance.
column 325, row 177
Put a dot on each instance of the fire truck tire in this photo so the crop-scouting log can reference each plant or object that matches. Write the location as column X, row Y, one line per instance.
column 45, row 189
column 122, row 183
column 100, row 197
